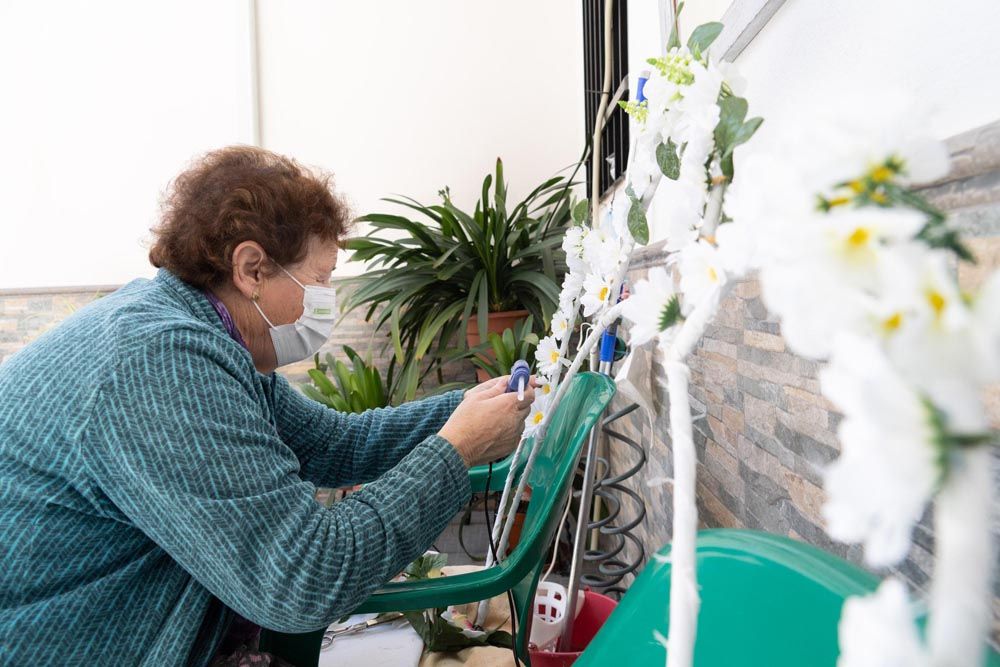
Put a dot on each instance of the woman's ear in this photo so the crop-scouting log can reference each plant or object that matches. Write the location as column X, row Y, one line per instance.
column 248, row 268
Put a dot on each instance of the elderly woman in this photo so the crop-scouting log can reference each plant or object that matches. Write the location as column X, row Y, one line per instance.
column 157, row 478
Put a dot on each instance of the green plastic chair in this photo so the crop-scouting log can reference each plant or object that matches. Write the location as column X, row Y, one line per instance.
column 480, row 475
column 550, row 477
column 766, row 601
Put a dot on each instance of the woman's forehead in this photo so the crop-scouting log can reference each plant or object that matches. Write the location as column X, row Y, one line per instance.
column 321, row 254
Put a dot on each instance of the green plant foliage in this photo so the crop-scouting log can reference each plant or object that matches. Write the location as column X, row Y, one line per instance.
column 449, row 265
column 508, row 347
column 354, row 388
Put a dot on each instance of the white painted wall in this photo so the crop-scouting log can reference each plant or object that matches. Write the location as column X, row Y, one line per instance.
column 814, row 50
column 406, row 97
column 101, row 103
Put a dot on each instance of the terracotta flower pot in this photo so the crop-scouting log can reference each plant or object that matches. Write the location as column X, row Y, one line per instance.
column 495, row 323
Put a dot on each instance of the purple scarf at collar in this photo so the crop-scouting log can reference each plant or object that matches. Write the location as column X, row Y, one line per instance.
column 227, row 319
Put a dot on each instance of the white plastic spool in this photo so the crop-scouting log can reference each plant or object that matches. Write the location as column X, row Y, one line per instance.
column 549, row 615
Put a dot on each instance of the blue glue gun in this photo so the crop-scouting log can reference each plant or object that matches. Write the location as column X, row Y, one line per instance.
column 520, row 372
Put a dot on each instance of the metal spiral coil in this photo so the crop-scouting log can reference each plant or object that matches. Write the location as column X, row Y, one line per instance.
column 611, row 567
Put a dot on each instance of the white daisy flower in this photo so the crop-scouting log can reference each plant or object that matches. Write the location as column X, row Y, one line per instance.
column 878, row 630
column 596, row 294
column 560, row 324
column 888, row 468
column 572, row 245
column 549, row 356
column 701, row 271
column 648, row 304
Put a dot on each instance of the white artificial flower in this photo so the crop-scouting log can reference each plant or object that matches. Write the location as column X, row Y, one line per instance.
column 943, row 345
column 675, row 213
column 888, row 468
column 603, row 253
column 701, row 271
column 571, row 288
column 548, row 355
column 546, row 387
column 646, row 305
column 462, row 622
column 834, row 279
column 596, row 293
column 536, row 415
column 878, row 630
column 863, row 127
column 560, row 324
column 572, row 245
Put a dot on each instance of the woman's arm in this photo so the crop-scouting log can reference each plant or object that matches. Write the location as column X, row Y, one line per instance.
column 342, row 449
column 177, row 440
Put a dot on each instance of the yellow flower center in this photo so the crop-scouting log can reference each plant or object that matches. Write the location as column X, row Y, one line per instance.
column 892, row 322
column 858, row 238
column 537, row 419
column 882, row 174
column 712, row 275
column 546, row 388
column 603, row 294
column 937, row 301
column 554, row 356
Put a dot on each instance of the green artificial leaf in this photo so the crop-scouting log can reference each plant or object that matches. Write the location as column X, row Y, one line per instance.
column 427, row 566
column 637, row 224
column 580, row 211
column 732, row 131
column 732, row 111
column 671, row 314
column 668, row 160
column 703, row 36
column 440, row 635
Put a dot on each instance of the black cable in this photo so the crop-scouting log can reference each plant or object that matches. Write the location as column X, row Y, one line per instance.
column 493, row 550
column 461, row 532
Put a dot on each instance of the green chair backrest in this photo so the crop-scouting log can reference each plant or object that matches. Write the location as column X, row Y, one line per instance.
column 550, row 480
column 766, row 601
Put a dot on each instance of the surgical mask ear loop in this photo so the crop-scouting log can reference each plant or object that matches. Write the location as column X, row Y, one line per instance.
column 256, row 295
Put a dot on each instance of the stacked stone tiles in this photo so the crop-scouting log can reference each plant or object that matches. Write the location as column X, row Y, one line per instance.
column 27, row 314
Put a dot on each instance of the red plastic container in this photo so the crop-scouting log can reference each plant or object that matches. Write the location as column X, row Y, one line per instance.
column 594, row 612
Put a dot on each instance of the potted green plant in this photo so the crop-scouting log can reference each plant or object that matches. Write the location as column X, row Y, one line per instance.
column 497, row 354
column 354, row 388
column 451, row 268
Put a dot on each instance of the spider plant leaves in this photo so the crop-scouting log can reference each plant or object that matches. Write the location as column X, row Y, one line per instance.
column 355, row 388
column 433, row 267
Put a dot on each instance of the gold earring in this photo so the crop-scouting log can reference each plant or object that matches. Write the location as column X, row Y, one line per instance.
column 256, row 296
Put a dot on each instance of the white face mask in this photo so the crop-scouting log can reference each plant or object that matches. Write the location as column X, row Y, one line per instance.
column 305, row 336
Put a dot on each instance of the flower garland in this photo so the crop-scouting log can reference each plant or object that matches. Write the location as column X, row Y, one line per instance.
column 858, row 267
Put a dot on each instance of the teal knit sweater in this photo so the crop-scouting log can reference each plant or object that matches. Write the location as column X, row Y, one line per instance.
column 152, row 482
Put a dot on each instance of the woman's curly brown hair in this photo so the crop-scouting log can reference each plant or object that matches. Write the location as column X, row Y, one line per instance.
column 237, row 194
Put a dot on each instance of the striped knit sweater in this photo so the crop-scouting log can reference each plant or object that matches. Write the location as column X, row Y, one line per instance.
column 152, row 482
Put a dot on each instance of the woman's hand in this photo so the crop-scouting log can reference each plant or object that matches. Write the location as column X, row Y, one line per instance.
column 487, row 424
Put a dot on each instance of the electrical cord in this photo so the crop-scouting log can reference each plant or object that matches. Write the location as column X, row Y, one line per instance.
column 493, row 550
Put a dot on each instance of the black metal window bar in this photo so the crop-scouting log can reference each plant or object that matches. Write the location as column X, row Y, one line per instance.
column 615, row 140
